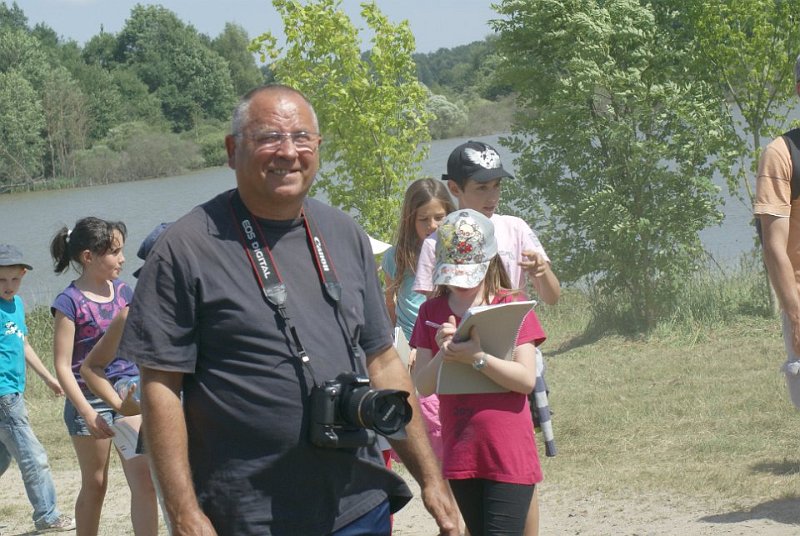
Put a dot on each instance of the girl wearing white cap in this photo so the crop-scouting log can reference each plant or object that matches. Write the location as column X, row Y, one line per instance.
column 489, row 456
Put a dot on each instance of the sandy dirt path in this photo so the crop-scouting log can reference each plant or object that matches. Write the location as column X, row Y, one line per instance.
column 565, row 512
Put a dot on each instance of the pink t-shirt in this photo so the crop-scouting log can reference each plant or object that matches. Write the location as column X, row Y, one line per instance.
column 513, row 237
column 488, row 435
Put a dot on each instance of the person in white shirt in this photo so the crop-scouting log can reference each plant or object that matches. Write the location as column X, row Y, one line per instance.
column 474, row 172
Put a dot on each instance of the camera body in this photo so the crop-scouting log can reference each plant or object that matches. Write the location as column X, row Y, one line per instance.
column 347, row 413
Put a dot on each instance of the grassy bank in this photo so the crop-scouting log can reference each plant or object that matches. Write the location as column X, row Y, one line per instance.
column 698, row 408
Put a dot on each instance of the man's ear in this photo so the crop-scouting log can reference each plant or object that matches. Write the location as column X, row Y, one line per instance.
column 454, row 188
column 230, row 146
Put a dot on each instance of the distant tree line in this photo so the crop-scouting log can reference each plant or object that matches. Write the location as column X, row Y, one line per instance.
column 155, row 98
column 466, row 96
column 621, row 114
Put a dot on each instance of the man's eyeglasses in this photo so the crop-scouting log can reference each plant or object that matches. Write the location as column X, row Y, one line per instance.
column 304, row 142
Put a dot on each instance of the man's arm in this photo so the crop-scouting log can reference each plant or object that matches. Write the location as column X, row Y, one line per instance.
column 775, row 231
column 167, row 445
column 386, row 371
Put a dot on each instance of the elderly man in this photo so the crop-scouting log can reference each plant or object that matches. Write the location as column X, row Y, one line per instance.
column 776, row 207
column 244, row 453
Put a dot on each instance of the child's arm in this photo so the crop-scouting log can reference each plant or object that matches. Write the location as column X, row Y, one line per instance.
column 426, row 365
column 426, row 368
column 63, row 337
column 426, row 262
column 94, row 373
column 389, row 296
column 541, row 276
column 518, row 375
column 38, row 367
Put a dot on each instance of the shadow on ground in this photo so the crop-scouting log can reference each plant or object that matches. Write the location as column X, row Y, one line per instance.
column 784, row 511
column 783, row 468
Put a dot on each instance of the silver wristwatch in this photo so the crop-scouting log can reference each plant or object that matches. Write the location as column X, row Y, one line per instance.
column 479, row 363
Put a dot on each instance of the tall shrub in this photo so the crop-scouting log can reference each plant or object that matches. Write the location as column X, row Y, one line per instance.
column 618, row 151
column 372, row 110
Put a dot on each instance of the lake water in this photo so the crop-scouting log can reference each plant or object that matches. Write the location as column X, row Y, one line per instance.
column 31, row 219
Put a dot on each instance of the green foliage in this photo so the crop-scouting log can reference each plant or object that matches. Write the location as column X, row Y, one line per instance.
column 21, row 121
column 98, row 165
column 100, row 50
column 134, row 151
column 448, row 117
column 66, row 120
column 372, row 113
column 210, row 137
column 104, row 102
column 12, row 17
column 191, row 80
column 138, row 104
column 22, row 53
column 745, row 50
column 161, row 71
column 232, row 44
column 463, row 70
column 618, row 151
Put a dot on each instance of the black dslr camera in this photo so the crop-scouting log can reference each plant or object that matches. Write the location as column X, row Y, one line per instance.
column 346, row 413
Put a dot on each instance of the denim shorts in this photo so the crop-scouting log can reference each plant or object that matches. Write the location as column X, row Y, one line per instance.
column 76, row 425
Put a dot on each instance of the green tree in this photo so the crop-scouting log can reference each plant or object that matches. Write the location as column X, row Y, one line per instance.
column 233, row 45
column 21, row 122
column 12, row 17
column 618, row 152
column 138, row 104
column 23, row 53
column 448, row 117
column 373, row 113
column 191, row 80
column 66, row 117
column 100, row 50
column 746, row 50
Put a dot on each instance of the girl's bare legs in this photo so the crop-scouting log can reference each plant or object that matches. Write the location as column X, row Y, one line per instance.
column 93, row 457
column 144, row 507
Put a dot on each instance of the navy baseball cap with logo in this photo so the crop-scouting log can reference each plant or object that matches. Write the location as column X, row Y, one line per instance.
column 11, row 256
column 148, row 243
column 474, row 160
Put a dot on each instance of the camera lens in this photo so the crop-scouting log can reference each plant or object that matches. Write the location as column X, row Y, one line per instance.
column 385, row 411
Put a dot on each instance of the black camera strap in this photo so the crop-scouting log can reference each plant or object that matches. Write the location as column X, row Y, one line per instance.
column 269, row 279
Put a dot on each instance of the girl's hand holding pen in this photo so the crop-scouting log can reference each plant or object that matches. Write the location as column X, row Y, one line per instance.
column 445, row 331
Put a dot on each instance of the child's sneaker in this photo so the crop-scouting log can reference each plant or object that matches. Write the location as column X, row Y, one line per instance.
column 61, row 524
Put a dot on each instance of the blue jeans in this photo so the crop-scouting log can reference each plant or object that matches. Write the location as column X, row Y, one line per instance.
column 376, row 522
column 18, row 441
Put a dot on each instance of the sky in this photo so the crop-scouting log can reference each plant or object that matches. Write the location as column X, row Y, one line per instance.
column 435, row 23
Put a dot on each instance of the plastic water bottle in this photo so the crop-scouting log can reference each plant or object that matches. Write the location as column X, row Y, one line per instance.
column 123, row 385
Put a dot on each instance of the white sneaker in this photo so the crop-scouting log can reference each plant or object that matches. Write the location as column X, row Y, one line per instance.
column 791, row 370
column 61, row 524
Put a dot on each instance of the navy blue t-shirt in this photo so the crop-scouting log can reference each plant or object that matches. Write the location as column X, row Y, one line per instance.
column 198, row 310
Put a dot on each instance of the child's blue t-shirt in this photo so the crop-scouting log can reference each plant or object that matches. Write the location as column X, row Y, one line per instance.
column 408, row 301
column 12, row 346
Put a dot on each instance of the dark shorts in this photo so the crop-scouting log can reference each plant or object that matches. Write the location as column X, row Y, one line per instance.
column 491, row 507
